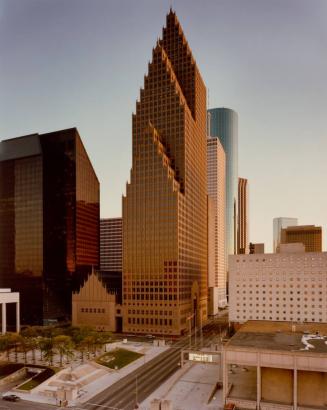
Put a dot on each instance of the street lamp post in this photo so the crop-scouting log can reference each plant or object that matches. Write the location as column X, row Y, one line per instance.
column 189, row 319
column 136, row 394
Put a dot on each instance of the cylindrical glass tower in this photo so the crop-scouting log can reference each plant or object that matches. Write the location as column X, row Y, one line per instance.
column 223, row 124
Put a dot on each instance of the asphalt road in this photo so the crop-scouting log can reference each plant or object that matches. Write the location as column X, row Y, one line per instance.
column 24, row 405
column 138, row 385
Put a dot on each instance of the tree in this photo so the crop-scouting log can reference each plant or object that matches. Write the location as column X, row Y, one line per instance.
column 63, row 346
column 105, row 337
column 83, row 338
column 31, row 335
column 47, row 347
column 13, row 341
column 5, row 344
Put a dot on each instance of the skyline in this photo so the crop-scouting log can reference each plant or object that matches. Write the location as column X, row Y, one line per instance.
column 97, row 93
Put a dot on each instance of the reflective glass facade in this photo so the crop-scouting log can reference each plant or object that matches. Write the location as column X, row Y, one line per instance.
column 165, row 253
column 49, row 221
column 223, row 124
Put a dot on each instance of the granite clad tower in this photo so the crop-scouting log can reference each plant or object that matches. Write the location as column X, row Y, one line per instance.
column 165, row 208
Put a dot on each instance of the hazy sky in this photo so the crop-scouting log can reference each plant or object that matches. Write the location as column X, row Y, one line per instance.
column 66, row 63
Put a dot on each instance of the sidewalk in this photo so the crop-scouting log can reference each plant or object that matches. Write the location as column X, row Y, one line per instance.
column 191, row 390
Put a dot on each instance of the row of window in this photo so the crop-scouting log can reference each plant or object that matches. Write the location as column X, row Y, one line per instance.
column 277, row 312
column 153, row 297
column 149, row 321
column 277, row 318
column 93, row 310
column 277, row 286
column 246, row 298
column 150, row 312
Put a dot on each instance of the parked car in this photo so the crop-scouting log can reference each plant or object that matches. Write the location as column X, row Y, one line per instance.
column 11, row 397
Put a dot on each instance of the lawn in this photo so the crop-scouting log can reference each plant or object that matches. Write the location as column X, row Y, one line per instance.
column 118, row 358
column 31, row 384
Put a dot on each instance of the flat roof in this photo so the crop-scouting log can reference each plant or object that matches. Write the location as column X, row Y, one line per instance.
column 281, row 336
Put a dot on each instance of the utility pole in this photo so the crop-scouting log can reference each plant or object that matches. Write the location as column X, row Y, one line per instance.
column 190, row 325
column 136, row 394
column 201, row 335
column 195, row 329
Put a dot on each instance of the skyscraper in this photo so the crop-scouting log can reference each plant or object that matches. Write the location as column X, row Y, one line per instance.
column 217, row 277
column 49, row 221
column 111, row 255
column 223, row 124
column 278, row 225
column 165, row 209
column 309, row 235
column 111, row 244
column 243, row 216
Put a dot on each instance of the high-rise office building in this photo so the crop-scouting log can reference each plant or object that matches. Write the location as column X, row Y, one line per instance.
column 309, row 235
column 223, row 124
column 165, row 255
column 111, row 244
column 216, row 174
column 111, row 255
column 256, row 248
column 49, row 221
column 243, row 216
column 278, row 225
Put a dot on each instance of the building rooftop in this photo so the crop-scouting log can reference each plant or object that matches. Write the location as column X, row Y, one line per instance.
column 301, row 227
column 281, row 336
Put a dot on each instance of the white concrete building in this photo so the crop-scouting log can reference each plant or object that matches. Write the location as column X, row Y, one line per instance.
column 7, row 296
column 282, row 287
column 217, row 277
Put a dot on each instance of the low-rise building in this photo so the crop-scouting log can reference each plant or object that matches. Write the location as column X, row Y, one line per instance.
column 280, row 286
column 95, row 305
column 276, row 366
column 9, row 297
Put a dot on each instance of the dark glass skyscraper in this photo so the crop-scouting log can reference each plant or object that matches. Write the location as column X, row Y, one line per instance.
column 223, row 124
column 49, row 221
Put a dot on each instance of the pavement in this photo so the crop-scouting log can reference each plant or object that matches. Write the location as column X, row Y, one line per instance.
column 192, row 389
column 244, row 382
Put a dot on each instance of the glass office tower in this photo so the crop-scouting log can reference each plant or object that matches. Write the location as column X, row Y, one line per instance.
column 49, row 221
column 165, row 242
column 223, row 124
column 279, row 224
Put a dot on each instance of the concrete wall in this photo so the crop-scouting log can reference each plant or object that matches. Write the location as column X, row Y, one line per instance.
column 14, row 377
column 277, row 385
column 312, row 388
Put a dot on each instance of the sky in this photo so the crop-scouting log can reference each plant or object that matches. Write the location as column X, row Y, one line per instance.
column 81, row 63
